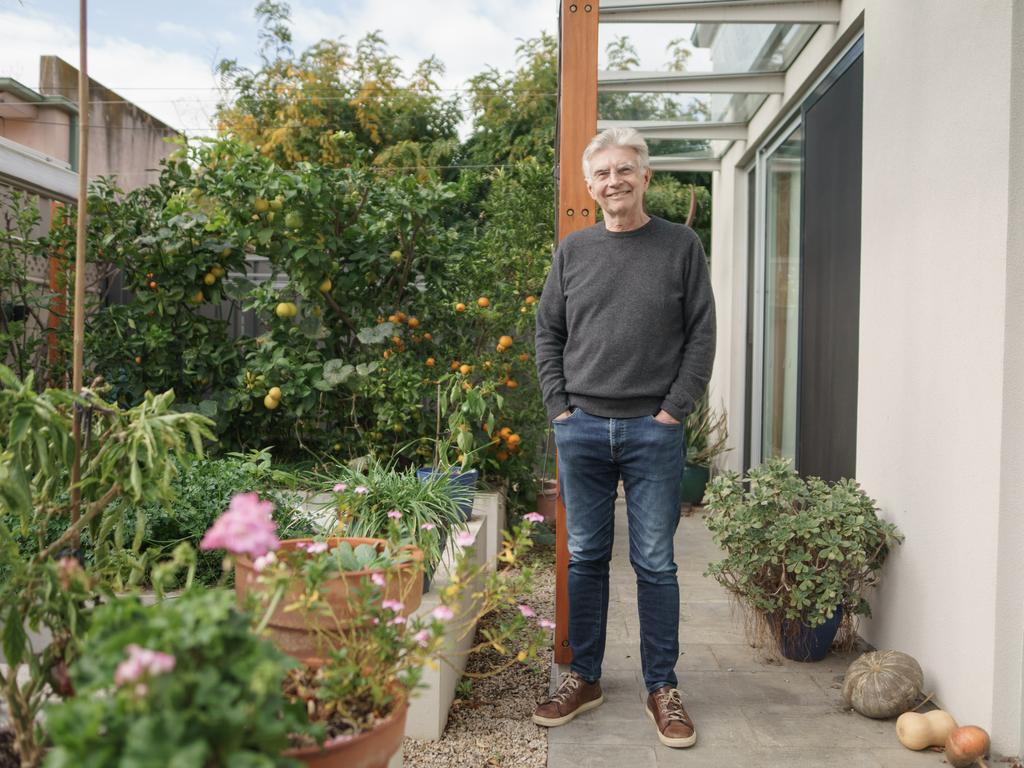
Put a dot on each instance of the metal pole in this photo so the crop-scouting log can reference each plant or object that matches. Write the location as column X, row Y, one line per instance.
column 79, row 316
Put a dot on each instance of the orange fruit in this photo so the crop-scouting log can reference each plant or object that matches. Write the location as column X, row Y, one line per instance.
column 427, row 335
column 505, row 431
column 514, row 440
column 396, row 339
column 505, row 341
column 465, row 369
column 460, row 307
column 414, row 323
column 530, row 299
column 392, row 318
column 138, row 360
column 152, row 284
column 387, row 353
column 430, row 362
column 502, row 455
column 483, row 301
column 511, row 383
column 524, row 357
column 400, row 315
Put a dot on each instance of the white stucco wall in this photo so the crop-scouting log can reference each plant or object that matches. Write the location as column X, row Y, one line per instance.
column 933, row 322
column 940, row 441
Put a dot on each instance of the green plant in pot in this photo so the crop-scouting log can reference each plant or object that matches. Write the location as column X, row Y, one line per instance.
column 381, row 501
column 706, row 437
column 191, row 680
column 800, row 553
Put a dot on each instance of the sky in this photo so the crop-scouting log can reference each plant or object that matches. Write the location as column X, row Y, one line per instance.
column 161, row 55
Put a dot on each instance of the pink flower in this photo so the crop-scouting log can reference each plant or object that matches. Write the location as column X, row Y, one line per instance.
column 534, row 517
column 422, row 637
column 394, row 514
column 527, row 611
column 245, row 529
column 377, row 579
column 442, row 612
column 340, row 488
column 465, row 539
column 427, row 527
column 397, row 620
column 141, row 690
column 316, row 547
column 264, row 561
column 393, row 605
column 545, row 623
column 362, row 490
column 142, row 662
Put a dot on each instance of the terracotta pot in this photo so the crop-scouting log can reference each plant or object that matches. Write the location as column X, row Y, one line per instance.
column 302, row 634
column 547, row 500
column 371, row 749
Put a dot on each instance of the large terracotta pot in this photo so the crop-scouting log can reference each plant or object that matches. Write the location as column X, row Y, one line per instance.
column 302, row 634
column 371, row 749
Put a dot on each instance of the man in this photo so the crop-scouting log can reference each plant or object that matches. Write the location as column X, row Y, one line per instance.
column 625, row 345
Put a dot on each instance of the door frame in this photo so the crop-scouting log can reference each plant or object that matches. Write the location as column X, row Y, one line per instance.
column 754, row 399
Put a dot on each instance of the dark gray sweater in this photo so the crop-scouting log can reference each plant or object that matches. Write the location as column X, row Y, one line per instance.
column 626, row 322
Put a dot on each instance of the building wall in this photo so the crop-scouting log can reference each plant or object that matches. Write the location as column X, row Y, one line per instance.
column 940, row 438
column 48, row 131
column 124, row 140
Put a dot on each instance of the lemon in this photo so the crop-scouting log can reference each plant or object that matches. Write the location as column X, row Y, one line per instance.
column 326, row 285
column 261, row 205
column 270, row 403
column 209, row 278
column 274, row 392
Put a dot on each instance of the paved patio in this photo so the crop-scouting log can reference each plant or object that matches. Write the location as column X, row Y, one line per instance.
column 748, row 712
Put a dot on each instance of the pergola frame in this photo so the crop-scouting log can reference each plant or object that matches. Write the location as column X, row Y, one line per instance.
column 672, row 82
column 722, row 12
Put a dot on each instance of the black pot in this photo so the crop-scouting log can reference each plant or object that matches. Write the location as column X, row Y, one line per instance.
column 693, row 483
column 800, row 642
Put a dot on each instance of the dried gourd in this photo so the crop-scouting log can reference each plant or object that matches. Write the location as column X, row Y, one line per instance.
column 883, row 683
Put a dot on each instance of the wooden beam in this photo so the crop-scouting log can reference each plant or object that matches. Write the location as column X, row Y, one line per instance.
column 669, row 129
column 577, row 124
column 674, row 82
column 722, row 12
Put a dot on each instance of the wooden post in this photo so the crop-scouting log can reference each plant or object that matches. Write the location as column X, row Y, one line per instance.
column 58, row 308
column 79, row 320
column 577, row 124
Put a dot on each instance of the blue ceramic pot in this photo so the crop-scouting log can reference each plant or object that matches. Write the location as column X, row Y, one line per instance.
column 799, row 642
column 463, row 480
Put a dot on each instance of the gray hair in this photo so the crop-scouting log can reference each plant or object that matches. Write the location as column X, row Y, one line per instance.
column 617, row 137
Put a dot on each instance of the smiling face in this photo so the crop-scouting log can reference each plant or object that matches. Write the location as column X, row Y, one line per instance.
column 617, row 183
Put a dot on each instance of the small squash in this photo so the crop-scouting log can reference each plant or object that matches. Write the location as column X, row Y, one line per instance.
column 883, row 683
column 931, row 729
column 965, row 745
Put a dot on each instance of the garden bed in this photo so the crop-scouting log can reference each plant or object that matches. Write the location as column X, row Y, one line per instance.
column 490, row 720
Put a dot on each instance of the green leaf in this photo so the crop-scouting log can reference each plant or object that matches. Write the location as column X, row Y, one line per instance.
column 336, row 372
column 14, row 638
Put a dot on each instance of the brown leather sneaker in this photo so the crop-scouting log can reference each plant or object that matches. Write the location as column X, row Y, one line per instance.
column 675, row 728
column 574, row 695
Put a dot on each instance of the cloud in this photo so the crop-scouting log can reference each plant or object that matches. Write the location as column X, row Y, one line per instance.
column 174, row 86
column 467, row 37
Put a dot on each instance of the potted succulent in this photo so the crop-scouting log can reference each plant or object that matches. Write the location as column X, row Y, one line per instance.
column 800, row 554
column 706, row 436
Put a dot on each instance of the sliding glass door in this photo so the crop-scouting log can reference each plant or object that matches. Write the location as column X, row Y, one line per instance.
column 781, row 316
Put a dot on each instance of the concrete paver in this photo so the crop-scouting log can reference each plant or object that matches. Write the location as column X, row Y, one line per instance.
column 749, row 709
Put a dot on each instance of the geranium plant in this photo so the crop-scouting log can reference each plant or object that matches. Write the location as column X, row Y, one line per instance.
column 377, row 650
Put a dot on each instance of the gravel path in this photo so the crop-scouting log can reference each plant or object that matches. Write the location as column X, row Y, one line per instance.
column 491, row 726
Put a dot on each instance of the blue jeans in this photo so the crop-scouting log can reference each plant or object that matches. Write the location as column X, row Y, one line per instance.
column 593, row 452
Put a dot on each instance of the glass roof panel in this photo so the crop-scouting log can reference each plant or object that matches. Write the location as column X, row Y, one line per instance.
column 694, row 49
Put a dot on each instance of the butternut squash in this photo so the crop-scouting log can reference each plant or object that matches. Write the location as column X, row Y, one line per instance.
column 931, row 729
